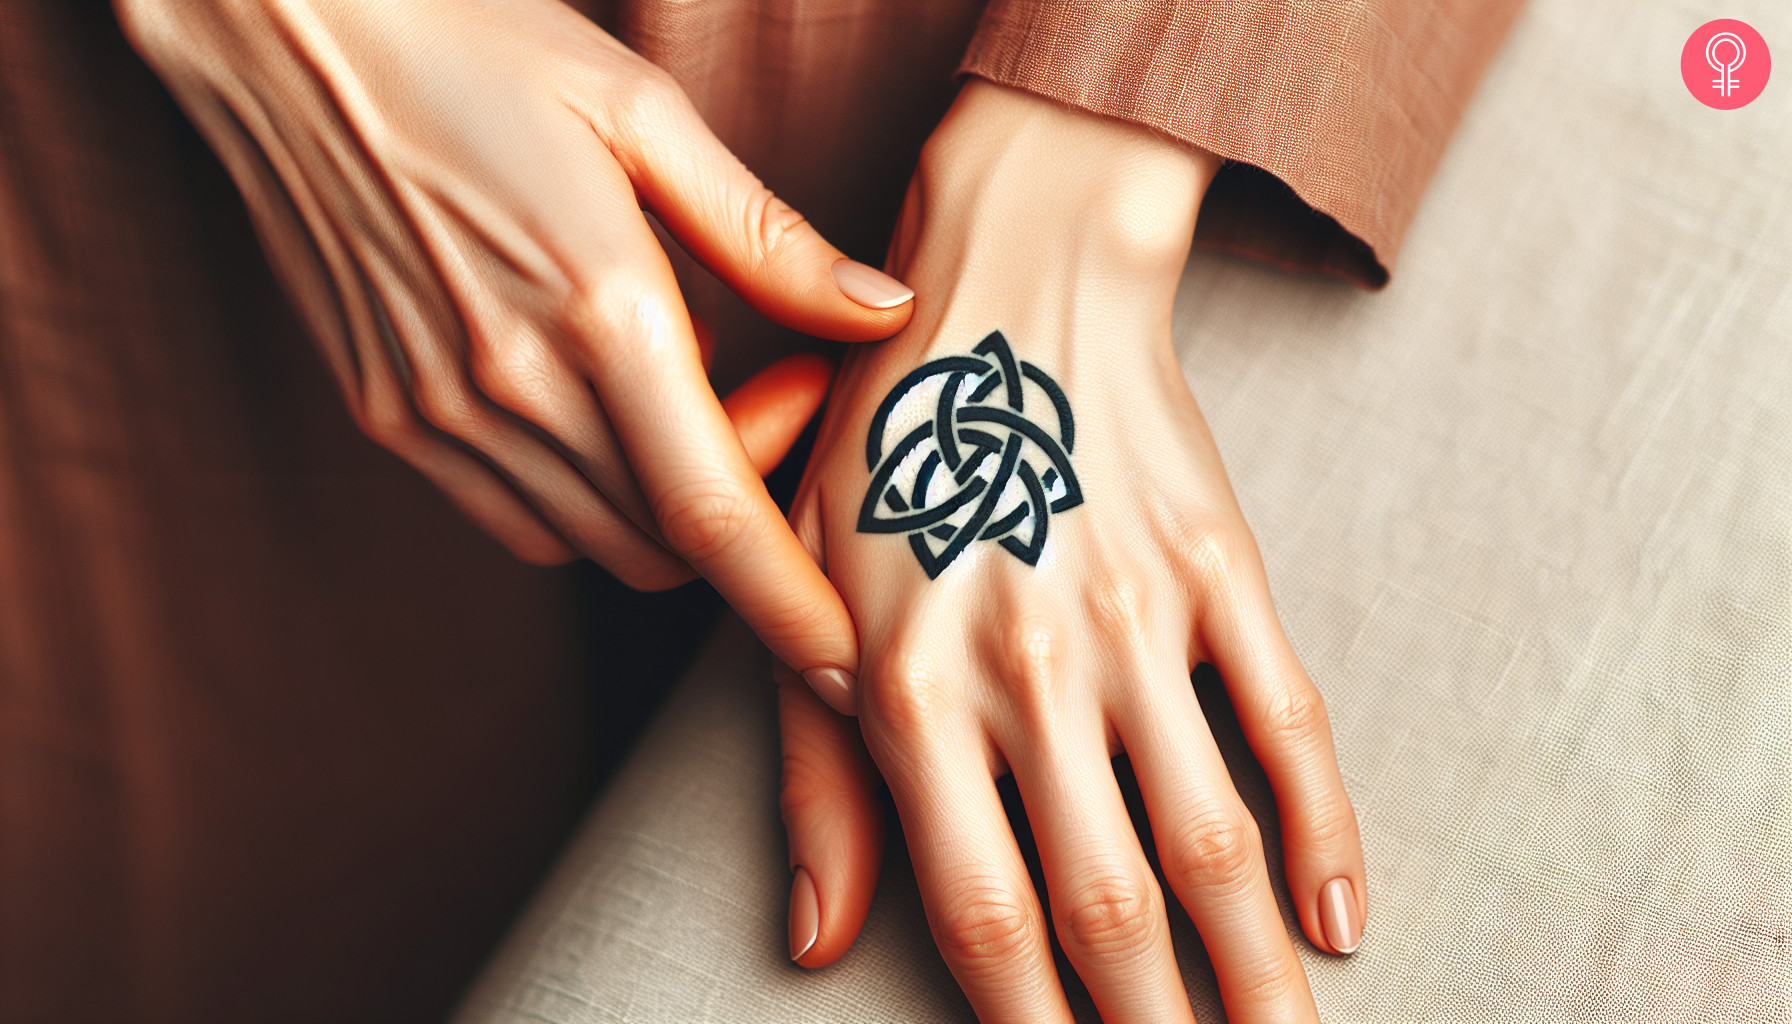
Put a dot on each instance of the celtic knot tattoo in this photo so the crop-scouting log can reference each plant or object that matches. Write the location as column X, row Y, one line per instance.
column 970, row 463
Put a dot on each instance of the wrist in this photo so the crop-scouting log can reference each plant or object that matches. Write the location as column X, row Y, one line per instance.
column 1066, row 230
column 1015, row 172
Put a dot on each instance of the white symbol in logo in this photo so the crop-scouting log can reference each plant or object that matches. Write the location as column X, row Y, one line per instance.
column 1725, row 83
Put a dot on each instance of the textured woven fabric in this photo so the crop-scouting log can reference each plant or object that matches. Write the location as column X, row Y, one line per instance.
column 1349, row 105
column 1333, row 114
column 1528, row 517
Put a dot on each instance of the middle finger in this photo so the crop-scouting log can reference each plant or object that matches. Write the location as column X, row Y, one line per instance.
column 1105, row 903
column 980, row 902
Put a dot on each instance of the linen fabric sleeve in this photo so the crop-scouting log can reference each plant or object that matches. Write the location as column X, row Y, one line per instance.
column 1332, row 115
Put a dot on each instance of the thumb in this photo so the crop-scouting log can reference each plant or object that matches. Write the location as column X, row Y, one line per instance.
column 760, row 247
column 834, row 819
column 771, row 409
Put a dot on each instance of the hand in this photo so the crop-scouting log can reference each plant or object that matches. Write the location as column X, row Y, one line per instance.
column 453, row 202
column 1100, row 556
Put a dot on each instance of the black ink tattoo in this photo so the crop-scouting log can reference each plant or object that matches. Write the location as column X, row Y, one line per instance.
column 969, row 465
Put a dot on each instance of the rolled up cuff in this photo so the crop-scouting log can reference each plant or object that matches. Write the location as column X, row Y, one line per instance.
column 1331, row 116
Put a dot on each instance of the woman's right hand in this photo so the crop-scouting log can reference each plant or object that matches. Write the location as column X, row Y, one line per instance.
column 453, row 200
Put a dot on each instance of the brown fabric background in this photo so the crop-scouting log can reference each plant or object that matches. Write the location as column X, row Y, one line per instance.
column 281, row 737
column 266, row 704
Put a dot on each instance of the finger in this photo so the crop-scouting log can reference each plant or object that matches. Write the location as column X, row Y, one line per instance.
column 706, row 341
column 480, row 494
column 445, row 398
column 562, row 494
column 1105, row 902
column 512, row 368
column 371, row 358
column 769, row 412
column 1285, row 722
column 805, row 522
column 771, row 409
column 834, row 820
column 710, row 503
column 760, row 247
column 365, row 359
column 385, row 414
column 980, row 903
column 1212, row 854
column 526, row 378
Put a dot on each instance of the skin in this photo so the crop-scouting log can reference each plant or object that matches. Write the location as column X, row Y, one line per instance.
column 455, row 204
column 1069, row 233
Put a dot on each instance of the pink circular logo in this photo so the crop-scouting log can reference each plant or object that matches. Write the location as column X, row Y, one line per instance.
column 1725, row 64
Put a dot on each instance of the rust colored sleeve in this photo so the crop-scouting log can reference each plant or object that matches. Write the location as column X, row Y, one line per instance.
column 1332, row 114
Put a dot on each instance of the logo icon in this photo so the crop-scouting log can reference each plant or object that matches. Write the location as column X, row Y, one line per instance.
column 1725, row 64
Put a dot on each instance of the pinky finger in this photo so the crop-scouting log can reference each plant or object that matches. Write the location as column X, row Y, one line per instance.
column 479, row 492
column 1285, row 721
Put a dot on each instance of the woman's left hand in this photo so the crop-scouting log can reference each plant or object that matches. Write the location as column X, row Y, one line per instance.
column 1026, row 515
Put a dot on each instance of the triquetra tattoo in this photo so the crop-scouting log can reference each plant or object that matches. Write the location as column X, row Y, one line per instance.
column 981, row 452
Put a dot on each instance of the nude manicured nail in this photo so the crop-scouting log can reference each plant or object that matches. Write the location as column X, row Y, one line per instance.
column 805, row 914
column 869, row 286
column 833, row 686
column 1337, row 915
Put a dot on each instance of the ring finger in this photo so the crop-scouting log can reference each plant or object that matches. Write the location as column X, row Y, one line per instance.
column 1212, row 854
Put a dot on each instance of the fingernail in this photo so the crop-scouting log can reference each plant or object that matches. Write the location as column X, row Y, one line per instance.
column 833, row 686
column 1337, row 915
column 805, row 914
column 869, row 286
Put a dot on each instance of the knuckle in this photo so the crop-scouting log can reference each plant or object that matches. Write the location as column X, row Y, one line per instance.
column 646, row 96
column 1028, row 664
column 1211, row 551
column 510, row 371
column 148, row 30
column 1216, row 851
column 901, row 689
column 808, row 783
column 705, row 521
column 796, row 619
column 801, row 788
column 1295, row 713
column 637, row 97
column 771, row 222
column 984, row 925
column 447, row 408
column 605, row 308
column 1332, row 823
column 1110, row 918
column 1272, row 982
column 591, row 309
column 388, row 421
column 1116, row 607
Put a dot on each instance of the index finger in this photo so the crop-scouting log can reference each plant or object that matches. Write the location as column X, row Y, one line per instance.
column 710, row 503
